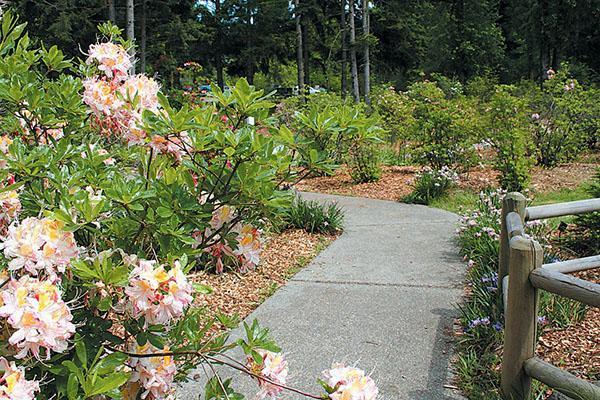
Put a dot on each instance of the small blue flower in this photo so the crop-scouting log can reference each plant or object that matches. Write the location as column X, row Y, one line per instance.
column 498, row 326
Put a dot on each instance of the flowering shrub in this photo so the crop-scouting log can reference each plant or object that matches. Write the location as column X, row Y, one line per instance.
column 431, row 184
column 564, row 114
column 109, row 197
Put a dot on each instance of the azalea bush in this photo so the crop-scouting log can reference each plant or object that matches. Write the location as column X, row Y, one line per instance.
column 338, row 130
column 109, row 197
column 508, row 134
column 564, row 116
column 443, row 129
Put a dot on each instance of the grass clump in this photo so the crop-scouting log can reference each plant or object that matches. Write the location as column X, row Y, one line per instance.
column 315, row 217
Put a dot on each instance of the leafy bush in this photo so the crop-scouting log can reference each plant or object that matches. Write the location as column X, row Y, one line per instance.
column 109, row 197
column 506, row 125
column 444, row 130
column 431, row 184
column 396, row 112
column 564, row 115
column 315, row 217
column 342, row 131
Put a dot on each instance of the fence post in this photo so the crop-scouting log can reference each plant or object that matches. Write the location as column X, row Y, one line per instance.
column 512, row 202
column 521, row 318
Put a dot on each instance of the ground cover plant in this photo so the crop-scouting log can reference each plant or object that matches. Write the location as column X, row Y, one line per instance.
column 110, row 197
column 481, row 338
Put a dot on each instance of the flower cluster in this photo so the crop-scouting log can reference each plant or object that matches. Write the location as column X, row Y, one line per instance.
column 485, row 321
column 10, row 205
column 272, row 372
column 248, row 246
column 350, row 384
column 111, row 58
column 13, row 384
column 491, row 281
column 118, row 99
column 39, row 316
column 158, row 295
column 39, row 244
column 154, row 374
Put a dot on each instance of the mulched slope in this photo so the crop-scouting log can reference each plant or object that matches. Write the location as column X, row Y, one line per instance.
column 239, row 294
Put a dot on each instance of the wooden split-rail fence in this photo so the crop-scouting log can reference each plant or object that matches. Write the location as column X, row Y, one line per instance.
column 521, row 275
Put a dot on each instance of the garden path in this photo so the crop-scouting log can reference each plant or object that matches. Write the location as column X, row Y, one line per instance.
column 382, row 296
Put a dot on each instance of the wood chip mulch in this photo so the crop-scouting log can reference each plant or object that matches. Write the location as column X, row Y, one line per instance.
column 395, row 182
column 566, row 176
column 576, row 348
column 239, row 294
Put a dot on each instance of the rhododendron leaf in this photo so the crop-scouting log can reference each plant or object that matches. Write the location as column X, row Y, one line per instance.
column 109, row 383
column 218, row 389
column 202, row 289
column 80, row 351
column 110, row 363
column 155, row 340
column 141, row 338
column 72, row 387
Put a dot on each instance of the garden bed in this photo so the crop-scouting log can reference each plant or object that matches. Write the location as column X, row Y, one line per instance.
column 238, row 295
column 395, row 182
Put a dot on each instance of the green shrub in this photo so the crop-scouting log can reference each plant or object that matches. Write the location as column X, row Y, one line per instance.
column 396, row 112
column 364, row 163
column 506, row 125
column 563, row 119
column 431, row 184
column 315, row 217
column 444, row 130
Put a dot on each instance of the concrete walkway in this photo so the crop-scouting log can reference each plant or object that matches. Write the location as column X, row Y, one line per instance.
column 381, row 296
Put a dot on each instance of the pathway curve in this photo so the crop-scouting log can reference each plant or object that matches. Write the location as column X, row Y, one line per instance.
column 382, row 296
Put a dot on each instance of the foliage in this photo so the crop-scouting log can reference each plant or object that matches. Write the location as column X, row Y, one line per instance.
column 315, row 217
column 110, row 196
column 563, row 117
column 429, row 185
column 443, row 131
column 506, row 125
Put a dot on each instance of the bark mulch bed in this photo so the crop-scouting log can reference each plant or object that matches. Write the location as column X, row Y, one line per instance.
column 239, row 294
column 395, row 182
column 577, row 347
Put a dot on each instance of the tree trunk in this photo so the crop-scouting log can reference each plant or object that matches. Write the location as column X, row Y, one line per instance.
column 354, row 66
column 143, row 37
column 112, row 15
column 299, row 57
column 305, row 52
column 219, row 60
column 344, row 50
column 367, row 67
column 130, row 28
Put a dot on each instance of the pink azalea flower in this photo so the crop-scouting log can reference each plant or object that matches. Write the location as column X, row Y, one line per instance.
column 350, row 383
column 39, row 316
column 154, row 374
column 274, row 368
column 13, row 385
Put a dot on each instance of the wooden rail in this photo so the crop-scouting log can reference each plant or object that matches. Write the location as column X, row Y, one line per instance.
column 521, row 273
column 580, row 264
column 562, row 209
